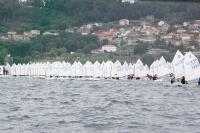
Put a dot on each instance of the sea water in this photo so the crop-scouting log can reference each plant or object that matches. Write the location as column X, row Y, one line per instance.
column 31, row 105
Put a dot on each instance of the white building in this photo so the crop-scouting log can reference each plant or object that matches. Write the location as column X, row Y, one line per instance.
column 50, row 33
column 129, row 1
column 124, row 22
column 161, row 23
column 109, row 48
column 35, row 32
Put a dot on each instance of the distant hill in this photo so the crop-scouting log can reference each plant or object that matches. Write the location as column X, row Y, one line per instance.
column 60, row 14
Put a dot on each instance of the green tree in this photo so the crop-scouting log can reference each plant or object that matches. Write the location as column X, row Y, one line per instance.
column 141, row 48
column 8, row 9
column 3, row 54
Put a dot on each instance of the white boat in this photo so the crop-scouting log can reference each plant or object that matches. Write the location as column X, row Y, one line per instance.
column 191, row 67
column 178, row 65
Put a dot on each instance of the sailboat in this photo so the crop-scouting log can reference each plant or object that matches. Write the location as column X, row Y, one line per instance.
column 140, row 70
column 191, row 67
column 116, row 70
column 162, row 67
column 97, row 70
column 178, row 65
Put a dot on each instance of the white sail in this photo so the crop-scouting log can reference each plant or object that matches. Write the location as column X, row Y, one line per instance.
column 62, row 68
column 151, row 71
column 23, row 70
column 107, row 68
column 13, row 70
column 177, row 64
column 18, row 70
column 88, row 69
column 114, row 72
column 140, row 69
column 8, row 67
column 130, row 69
column 68, row 70
column 97, row 70
column 169, row 67
column 163, row 68
column 146, row 70
column 124, row 69
column 79, row 69
column 73, row 69
column 154, row 68
column 1, row 70
column 191, row 67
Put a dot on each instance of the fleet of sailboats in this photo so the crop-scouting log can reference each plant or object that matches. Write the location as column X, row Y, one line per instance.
column 182, row 65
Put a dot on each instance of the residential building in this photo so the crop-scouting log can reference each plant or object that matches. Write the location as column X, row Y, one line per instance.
column 168, row 38
column 129, row 1
column 108, row 35
column 165, row 27
column 18, row 37
column 177, row 26
column 85, row 29
column 176, row 42
column 185, row 24
column 181, row 30
column 149, row 30
column 11, row 34
column 145, row 23
column 198, row 39
column 109, row 48
column 147, row 39
column 186, row 39
column 132, row 38
column 25, row 36
column 157, row 51
column 98, row 24
column 28, row 35
column 70, row 30
column 161, row 23
column 35, row 32
column 4, row 38
column 196, row 22
column 124, row 22
column 137, row 28
column 48, row 33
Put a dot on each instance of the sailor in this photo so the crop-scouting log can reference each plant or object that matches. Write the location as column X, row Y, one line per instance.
column 155, row 77
column 129, row 77
column 171, row 75
column 172, row 78
column 183, row 81
column 149, row 77
column 4, row 71
column 199, row 82
column 137, row 78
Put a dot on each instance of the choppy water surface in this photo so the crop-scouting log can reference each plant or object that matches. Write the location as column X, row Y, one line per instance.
column 62, row 106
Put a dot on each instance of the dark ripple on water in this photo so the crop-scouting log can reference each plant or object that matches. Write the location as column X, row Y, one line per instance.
column 49, row 106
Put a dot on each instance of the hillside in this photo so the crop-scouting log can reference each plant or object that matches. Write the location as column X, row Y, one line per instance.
column 60, row 14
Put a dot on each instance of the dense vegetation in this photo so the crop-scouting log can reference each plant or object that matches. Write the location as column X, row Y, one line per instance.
column 61, row 14
column 48, row 46
column 64, row 13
